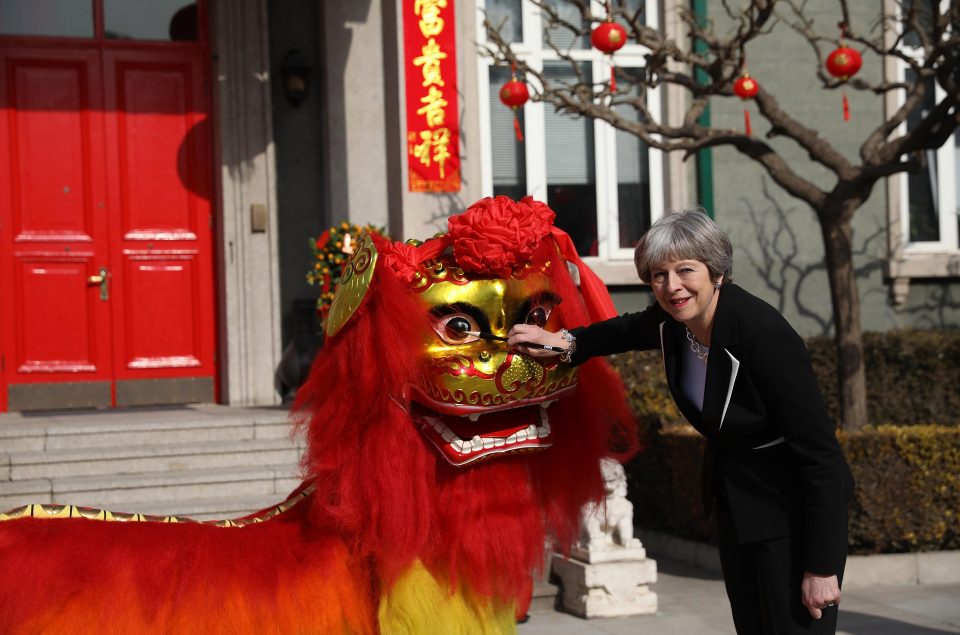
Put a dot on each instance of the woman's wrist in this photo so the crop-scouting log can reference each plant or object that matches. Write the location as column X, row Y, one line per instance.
column 571, row 346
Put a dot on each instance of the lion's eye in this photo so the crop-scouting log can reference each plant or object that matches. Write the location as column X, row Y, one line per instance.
column 538, row 315
column 456, row 328
column 452, row 329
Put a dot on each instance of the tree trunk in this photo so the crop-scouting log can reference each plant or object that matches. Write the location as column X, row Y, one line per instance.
column 851, row 373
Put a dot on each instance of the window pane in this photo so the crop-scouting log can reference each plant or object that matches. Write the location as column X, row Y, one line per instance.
column 63, row 18
column 921, row 13
column 506, row 15
column 509, row 167
column 633, row 179
column 922, row 183
column 632, row 8
column 561, row 36
column 174, row 20
column 571, row 179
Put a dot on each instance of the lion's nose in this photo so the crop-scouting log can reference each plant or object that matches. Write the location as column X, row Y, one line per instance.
column 518, row 371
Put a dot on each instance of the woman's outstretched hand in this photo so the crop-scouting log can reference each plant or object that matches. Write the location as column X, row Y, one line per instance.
column 522, row 334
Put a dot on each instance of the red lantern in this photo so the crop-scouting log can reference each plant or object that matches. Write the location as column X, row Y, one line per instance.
column 843, row 63
column 609, row 37
column 514, row 94
column 746, row 88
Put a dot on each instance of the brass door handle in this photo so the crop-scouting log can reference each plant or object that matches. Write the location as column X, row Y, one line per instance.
column 102, row 279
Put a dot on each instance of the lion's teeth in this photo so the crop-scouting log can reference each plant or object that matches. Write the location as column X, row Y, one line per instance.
column 477, row 443
column 546, row 404
column 544, row 418
column 531, row 431
column 521, row 435
column 499, row 442
column 457, row 445
column 487, row 444
column 474, row 416
column 448, row 435
column 512, row 438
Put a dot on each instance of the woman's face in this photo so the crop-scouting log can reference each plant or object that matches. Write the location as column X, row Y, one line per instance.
column 685, row 290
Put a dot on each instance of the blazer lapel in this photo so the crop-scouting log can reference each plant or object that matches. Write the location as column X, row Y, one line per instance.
column 734, row 369
column 722, row 368
column 669, row 350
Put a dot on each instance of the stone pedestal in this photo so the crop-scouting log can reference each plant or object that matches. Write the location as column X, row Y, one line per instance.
column 608, row 573
column 609, row 582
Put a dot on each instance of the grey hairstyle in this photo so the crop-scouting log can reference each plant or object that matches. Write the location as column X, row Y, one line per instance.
column 687, row 234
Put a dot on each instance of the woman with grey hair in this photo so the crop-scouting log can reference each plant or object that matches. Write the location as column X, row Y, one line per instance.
column 773, row 471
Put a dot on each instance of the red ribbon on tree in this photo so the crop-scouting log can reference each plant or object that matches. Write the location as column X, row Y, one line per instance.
column 609, row 37
column 843, row 63
column 514, row 94
column 746, row 88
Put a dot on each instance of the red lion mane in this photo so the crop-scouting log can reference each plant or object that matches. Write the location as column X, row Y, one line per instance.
column 380, row 483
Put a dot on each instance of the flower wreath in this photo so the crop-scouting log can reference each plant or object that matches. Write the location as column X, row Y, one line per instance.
column 331, row 251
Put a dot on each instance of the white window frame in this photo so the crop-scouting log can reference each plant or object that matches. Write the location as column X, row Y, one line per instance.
column 613, row 263
column 919, row 259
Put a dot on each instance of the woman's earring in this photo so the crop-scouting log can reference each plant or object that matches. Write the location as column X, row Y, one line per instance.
column 716, row 285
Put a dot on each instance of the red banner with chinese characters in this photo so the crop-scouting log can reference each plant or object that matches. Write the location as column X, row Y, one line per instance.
column 430, row 66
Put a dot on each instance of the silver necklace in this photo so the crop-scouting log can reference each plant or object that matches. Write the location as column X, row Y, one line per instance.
column 695, row 346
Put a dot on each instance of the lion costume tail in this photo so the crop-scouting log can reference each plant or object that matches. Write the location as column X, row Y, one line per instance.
column 102, row 576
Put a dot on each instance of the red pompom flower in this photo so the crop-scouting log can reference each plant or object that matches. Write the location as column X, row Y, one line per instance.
column 496, row 235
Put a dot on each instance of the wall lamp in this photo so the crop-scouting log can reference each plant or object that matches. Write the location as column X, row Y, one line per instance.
column 295, row 73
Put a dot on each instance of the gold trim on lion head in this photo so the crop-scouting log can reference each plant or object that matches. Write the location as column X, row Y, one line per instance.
column 353, row 286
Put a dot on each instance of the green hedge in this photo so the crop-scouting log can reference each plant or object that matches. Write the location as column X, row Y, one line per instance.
column 913, row 377
column 907, row 496
column 908, row 488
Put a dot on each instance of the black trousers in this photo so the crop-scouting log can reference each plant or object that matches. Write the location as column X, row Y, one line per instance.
column 763, row 584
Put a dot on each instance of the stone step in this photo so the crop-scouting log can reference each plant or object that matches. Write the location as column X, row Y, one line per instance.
column 112, row 490
column 18, row 493
column 208, row 508
column 138, row 459
column 24, row 433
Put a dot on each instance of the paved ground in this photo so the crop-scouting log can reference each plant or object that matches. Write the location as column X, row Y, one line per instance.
column 692, row 602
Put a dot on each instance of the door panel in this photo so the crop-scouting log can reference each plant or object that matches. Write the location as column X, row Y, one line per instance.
column 159, row 156
column 51, row 109
column 52, row 340
column 162, row 285
column 153, row 120
column 53, row 228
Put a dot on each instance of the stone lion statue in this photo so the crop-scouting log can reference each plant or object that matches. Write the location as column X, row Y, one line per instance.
column 609, row 522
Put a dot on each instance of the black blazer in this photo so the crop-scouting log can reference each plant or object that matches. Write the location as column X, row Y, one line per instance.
column 772, row 454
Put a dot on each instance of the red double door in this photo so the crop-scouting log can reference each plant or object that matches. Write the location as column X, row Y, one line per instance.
column 106, row 251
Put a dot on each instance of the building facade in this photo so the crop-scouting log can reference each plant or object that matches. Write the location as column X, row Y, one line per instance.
column 166, row 163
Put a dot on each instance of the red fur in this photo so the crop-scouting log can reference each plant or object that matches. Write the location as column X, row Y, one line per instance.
column 80, row 576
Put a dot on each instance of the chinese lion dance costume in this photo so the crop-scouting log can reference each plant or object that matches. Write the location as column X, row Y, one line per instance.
column 437, row 464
